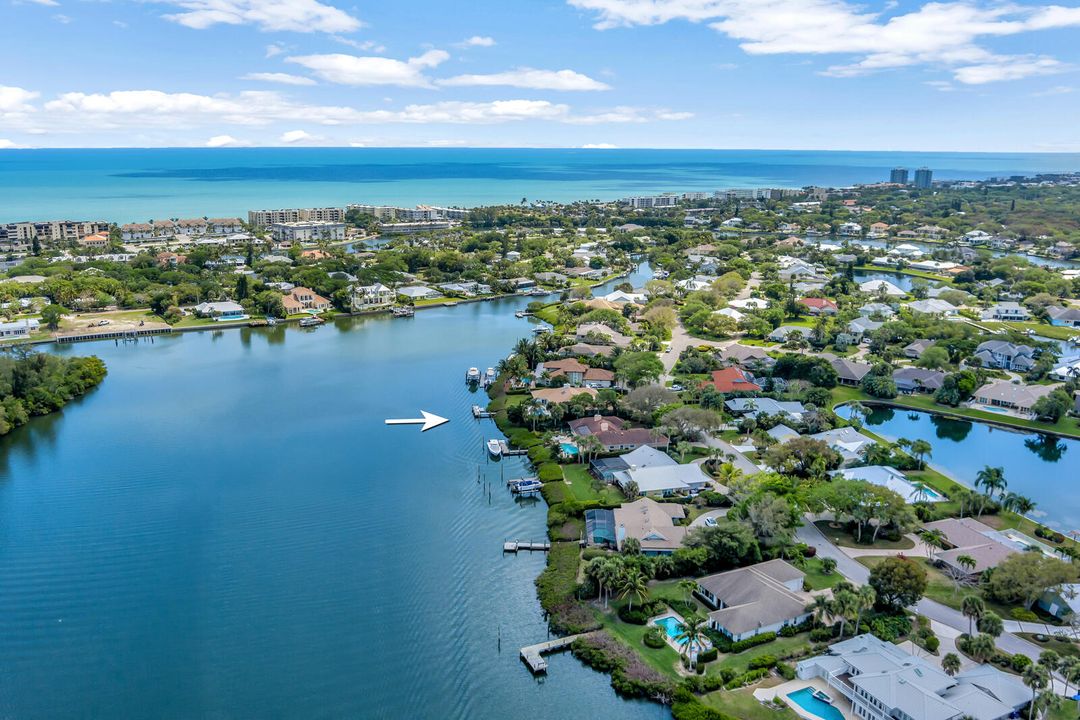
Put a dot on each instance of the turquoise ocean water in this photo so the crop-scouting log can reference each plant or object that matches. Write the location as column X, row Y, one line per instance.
column 126, row 185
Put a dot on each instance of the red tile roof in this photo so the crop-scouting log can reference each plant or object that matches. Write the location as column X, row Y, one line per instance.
column 819, row 303
column 732, row 379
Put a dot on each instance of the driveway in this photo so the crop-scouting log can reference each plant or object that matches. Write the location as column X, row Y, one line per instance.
column 700, row 519
column 934, row 611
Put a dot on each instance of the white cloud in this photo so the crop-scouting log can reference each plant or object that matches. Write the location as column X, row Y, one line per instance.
column 277, row 77
column 599, row 146
column 62, row 19
column 1056, row 90
column 46, row 3
column 225, row 141
column 16, row 99
column 268, row 15
column 295, row 136
column 478, row 41
column 6, row 144
column 274, row 49
column 149, row 111
column 530, row 78
column 938, row 34
column 354, row 70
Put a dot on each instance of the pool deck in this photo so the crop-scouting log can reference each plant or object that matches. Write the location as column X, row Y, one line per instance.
column 766, row 695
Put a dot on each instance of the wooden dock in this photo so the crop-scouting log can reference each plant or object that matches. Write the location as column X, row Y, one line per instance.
column 533, row 655
column 118, row 331
column 513, row 546
column 480, row 413
column 507, row 450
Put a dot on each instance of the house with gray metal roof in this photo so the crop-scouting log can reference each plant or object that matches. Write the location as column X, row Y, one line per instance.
column 882, row 682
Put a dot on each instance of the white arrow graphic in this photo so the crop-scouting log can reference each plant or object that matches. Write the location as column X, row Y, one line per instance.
column 428, row 421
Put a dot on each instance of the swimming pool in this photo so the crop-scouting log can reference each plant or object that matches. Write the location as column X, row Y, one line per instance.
column 805, row 699
column 569, row 448
column 671, row 624
column 928, row 491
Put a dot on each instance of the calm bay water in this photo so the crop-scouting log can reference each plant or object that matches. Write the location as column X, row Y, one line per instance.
column 125, row 185
column 226, row 528
column 1044, row 468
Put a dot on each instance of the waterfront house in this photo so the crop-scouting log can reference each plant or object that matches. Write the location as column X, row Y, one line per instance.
column 914, row 350
column 642, row 457
column 1067, row 370
column 891, row 478
column 561, row 394
column 850, row 372
column 665, row 479
column 18, row 328
column 1005, row 355
column 732, row 379
column 1064, row 316
column 1062, row 602
column 818, row 306
column 847, row 441
column 883, row 682
column 971, row 538
column 418, row 292
column 1007, row 311
column 752, row 407
column 932, row 306
column 571, row 370
column 622, row 298
column 757, row 599
column 912, row 380
column 371, row 297
column 552, row 278
column 878, row 287
column 221, row 311
column 1011, row 396
column 302, row 299
column 651, row 523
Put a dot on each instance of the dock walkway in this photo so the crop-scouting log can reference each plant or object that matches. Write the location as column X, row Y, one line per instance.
column 513, row 546
column 507, row 450
column 533, row 655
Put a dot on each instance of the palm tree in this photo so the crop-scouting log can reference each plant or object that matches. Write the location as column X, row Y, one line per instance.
column 634, row 585
column 691, row 636
column 865, row 597
column 950, row 663
column 820, row 609
column 682, row 448
column 981, row 648
column 611, row 572
column 991, row 624
column 688, row 587
column 1069, row 667
column 933, row 539
column 921, row 450
column 991, row 480
column 595, row 570
column 972, row 608
column 1037, row 678
column 843, row 604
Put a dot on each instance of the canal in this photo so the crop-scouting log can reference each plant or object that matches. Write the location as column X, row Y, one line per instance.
column 226, row 528
column 1041, row 467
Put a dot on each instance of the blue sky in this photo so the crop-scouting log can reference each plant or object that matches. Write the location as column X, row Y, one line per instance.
column 805, row 74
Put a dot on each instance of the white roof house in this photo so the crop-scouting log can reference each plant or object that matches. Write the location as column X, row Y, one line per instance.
column 873, row 287
column 664, row 480
column 731, row 313
column 417, row 292
column 883, row 682
column 932, row 306
column 893, row 479
column 749, row 304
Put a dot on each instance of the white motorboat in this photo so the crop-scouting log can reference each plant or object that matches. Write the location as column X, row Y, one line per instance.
column 472, row 375
column 494, row 447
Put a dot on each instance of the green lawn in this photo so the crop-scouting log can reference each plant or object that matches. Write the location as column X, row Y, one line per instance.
column 843, row 538
column 1044, row 329
column 663, row 660
column 779, row 646
column 742, row 704
column 583, row 486
column 816, row 577
column 1063, row 710
column 906, row 271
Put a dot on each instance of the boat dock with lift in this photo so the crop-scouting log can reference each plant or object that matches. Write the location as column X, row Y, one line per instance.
column 480, row 413
column 533, row 655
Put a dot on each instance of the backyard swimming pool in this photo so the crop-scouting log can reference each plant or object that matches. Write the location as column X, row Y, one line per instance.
column 569, row 449
column 672, row 626
column 805, row 699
